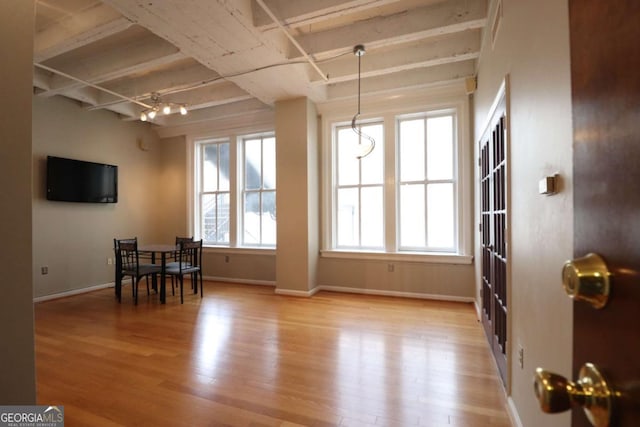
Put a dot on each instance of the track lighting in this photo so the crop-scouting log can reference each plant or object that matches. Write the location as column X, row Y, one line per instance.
column 158, row 105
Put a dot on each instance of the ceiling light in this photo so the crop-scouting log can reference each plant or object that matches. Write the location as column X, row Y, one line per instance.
column 364, row 148
column 158, row 105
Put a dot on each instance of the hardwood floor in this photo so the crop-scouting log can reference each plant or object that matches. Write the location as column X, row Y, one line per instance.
column 244, row 356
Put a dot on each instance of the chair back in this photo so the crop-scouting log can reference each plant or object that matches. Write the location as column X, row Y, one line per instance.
column 116, row 251
column 128, row 256
column 183, row 239
column 190, row 254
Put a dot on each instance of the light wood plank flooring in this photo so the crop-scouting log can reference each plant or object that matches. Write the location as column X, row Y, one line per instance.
column 244, row 356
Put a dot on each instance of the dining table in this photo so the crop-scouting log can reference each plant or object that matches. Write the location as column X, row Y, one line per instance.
column 163, row 250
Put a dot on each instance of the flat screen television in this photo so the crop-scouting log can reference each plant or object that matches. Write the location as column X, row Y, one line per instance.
column 70, row 180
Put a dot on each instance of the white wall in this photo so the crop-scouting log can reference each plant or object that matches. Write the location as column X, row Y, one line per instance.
column 17, row 363
column 74, row 240
column 533, row 48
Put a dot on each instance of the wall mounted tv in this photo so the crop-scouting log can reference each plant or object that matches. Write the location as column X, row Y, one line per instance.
column 70, row 180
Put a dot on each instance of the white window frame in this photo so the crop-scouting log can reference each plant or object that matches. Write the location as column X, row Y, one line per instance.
column 201, row 193
column 426, row 181
column 380, row 146
column 242, row 191
column 236, row 179
column 389, row 111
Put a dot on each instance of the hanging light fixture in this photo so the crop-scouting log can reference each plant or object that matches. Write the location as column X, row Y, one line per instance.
column 365, row 147
column 158, row 105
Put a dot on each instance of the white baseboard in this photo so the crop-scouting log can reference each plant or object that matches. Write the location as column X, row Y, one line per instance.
column 513, row 413
column 76, row 291
column 294, row 293
column 393, row 293
column 240, row 281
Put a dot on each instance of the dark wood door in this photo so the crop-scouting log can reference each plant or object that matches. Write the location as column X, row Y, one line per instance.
column 605, row 73
column 493, row 217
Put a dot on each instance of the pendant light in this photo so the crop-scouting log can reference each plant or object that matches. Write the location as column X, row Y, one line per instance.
column 367, row 147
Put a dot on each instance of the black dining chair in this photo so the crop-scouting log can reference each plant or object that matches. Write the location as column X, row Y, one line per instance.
column 189, row 262
column 118, row 264
column 179, row 239
column 128, row 264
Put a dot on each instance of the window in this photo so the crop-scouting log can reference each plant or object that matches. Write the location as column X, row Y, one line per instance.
column 405, row 197
column 359, row 190
column 214, row 200
column 235, row 193
column 427, row 185
column 259, row 191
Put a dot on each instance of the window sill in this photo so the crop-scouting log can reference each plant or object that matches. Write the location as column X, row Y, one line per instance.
column 421, row 257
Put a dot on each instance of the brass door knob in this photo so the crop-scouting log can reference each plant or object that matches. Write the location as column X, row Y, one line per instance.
column 591, row 391
column 587, row 279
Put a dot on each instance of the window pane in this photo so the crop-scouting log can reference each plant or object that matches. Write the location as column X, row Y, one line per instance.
column 269, row 163
column 440, row 147
column 412, row 216
column 210, row 167
column 373, row 164
column 269, row 218
column 440, row 214
column 224, row 166
column 252, row 218
column 412, row 150
column 252, row 166
column 348, row 165
column 348, row 217
column 223, row 221
column 372, row 217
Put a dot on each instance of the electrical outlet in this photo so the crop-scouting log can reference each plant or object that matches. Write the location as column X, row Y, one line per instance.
column 44, row 270
column 110, row 261
column 391, row 268
column 226, row 259
column 521, row 357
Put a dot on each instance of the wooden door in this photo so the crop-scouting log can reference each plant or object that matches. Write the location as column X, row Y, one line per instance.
column 493, row 217
column 605, row 73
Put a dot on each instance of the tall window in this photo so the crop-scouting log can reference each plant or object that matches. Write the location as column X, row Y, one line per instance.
column 427, row 183
column 403, row 197
column 215, row 193
column 235, row 191
column 359, row 190
column 259, row 191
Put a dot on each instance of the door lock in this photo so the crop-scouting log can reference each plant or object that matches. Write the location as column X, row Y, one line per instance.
column 591, row 391
column 587, row 279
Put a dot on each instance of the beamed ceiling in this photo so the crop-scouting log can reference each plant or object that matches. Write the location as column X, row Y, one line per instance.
column 230, row 58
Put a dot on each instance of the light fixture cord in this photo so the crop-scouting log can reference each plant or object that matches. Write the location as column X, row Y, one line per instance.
column 355, row 128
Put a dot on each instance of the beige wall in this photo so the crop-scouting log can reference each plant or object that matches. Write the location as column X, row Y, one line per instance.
column 74, row 240
column 17, row 371
column 533, row 48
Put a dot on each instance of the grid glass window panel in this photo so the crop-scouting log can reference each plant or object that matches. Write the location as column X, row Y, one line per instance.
column 359, row 190
column 214, row 195
column 427, row 184
column 259, row 192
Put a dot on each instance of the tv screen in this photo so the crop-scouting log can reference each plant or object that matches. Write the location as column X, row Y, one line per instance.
column 70, row 180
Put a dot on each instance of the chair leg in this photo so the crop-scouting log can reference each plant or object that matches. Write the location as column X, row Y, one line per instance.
column 181, row 287
column 201, row 287
column 134, row 286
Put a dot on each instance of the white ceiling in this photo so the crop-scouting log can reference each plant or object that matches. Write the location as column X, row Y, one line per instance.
column 227, row 58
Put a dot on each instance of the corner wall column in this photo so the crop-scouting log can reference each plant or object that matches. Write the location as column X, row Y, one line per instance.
column 17, row 358
column 297, row 194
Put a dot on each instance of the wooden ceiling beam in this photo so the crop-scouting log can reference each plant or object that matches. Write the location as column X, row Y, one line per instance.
column 78, row 30
column 413, row 25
